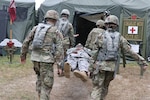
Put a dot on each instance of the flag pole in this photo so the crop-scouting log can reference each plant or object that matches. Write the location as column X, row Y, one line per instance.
column 10, row 29
column 12, row 13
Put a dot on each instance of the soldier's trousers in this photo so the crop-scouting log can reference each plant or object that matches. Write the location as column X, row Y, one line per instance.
column 65, row 47
column 45, row 79
column 82, row 63
column 100, row 84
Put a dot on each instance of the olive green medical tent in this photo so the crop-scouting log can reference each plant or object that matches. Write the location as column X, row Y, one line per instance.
column 47, row 5
column 123, row 9
column 77, row 8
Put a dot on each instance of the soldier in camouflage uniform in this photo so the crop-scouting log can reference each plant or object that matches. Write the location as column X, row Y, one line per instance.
column 78, row 61
column 90, row 42
column 66, row 28
column 43, row 55
column 104, row 68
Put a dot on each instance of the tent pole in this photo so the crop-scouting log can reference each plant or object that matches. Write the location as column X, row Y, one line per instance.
column 144, row 51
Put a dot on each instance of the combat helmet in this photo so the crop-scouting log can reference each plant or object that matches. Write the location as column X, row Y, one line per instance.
column 112, row 19
column 65, row 11
column 51, row 14
column 100, row 23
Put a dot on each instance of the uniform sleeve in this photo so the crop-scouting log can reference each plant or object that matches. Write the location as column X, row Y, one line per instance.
column 26, row 42
column 127, row 48
column 59, row 34
column 71, row 35
column 59, row 53
column 99, row 40
column 87, row 45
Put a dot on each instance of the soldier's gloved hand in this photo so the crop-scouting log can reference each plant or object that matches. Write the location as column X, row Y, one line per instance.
column 90, row 74
column 145, row 67
column 23, row 58
column 76, row 35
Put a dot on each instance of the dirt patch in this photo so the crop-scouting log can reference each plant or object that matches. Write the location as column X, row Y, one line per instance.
column 126, row 86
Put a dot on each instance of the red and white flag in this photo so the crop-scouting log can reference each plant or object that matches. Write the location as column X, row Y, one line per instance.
column 12, row 10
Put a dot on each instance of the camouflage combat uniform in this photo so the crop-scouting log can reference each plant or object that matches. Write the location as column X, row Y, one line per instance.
column 103, row 71
column 66, row 28
column 90, row 42
column 43, row 59
column 79, row 57
column 68, row 36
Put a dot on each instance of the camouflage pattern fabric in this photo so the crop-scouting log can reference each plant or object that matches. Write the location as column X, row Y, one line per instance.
column 124, row 44
column 69, row 38
column 103, row 71
column 45, row 79
column 79, row 57
column 68, row 42
column 47, row 53
column 100, row 84
column 90, row 42
column 66, row 28
column 43, row 59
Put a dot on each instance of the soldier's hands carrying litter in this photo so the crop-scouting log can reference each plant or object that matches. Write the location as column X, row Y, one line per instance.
column 23, row 59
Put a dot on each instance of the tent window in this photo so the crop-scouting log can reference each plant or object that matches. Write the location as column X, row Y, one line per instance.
column 21, row 13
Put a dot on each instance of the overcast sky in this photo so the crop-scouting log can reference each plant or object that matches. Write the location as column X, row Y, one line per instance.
column 38, row 2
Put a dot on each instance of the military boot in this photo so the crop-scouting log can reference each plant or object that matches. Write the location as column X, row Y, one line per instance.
column 81, row 74
column 67, row 69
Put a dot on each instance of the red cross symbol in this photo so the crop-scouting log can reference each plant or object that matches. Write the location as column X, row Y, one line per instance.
column 132, row 30
column 133, row 17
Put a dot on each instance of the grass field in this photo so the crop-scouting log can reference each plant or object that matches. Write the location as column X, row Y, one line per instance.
column 17, row 82
column 15, row 69
column 14, row 79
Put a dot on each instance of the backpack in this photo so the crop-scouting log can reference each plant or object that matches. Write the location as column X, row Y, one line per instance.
column 40, row 35
column 110, row 48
